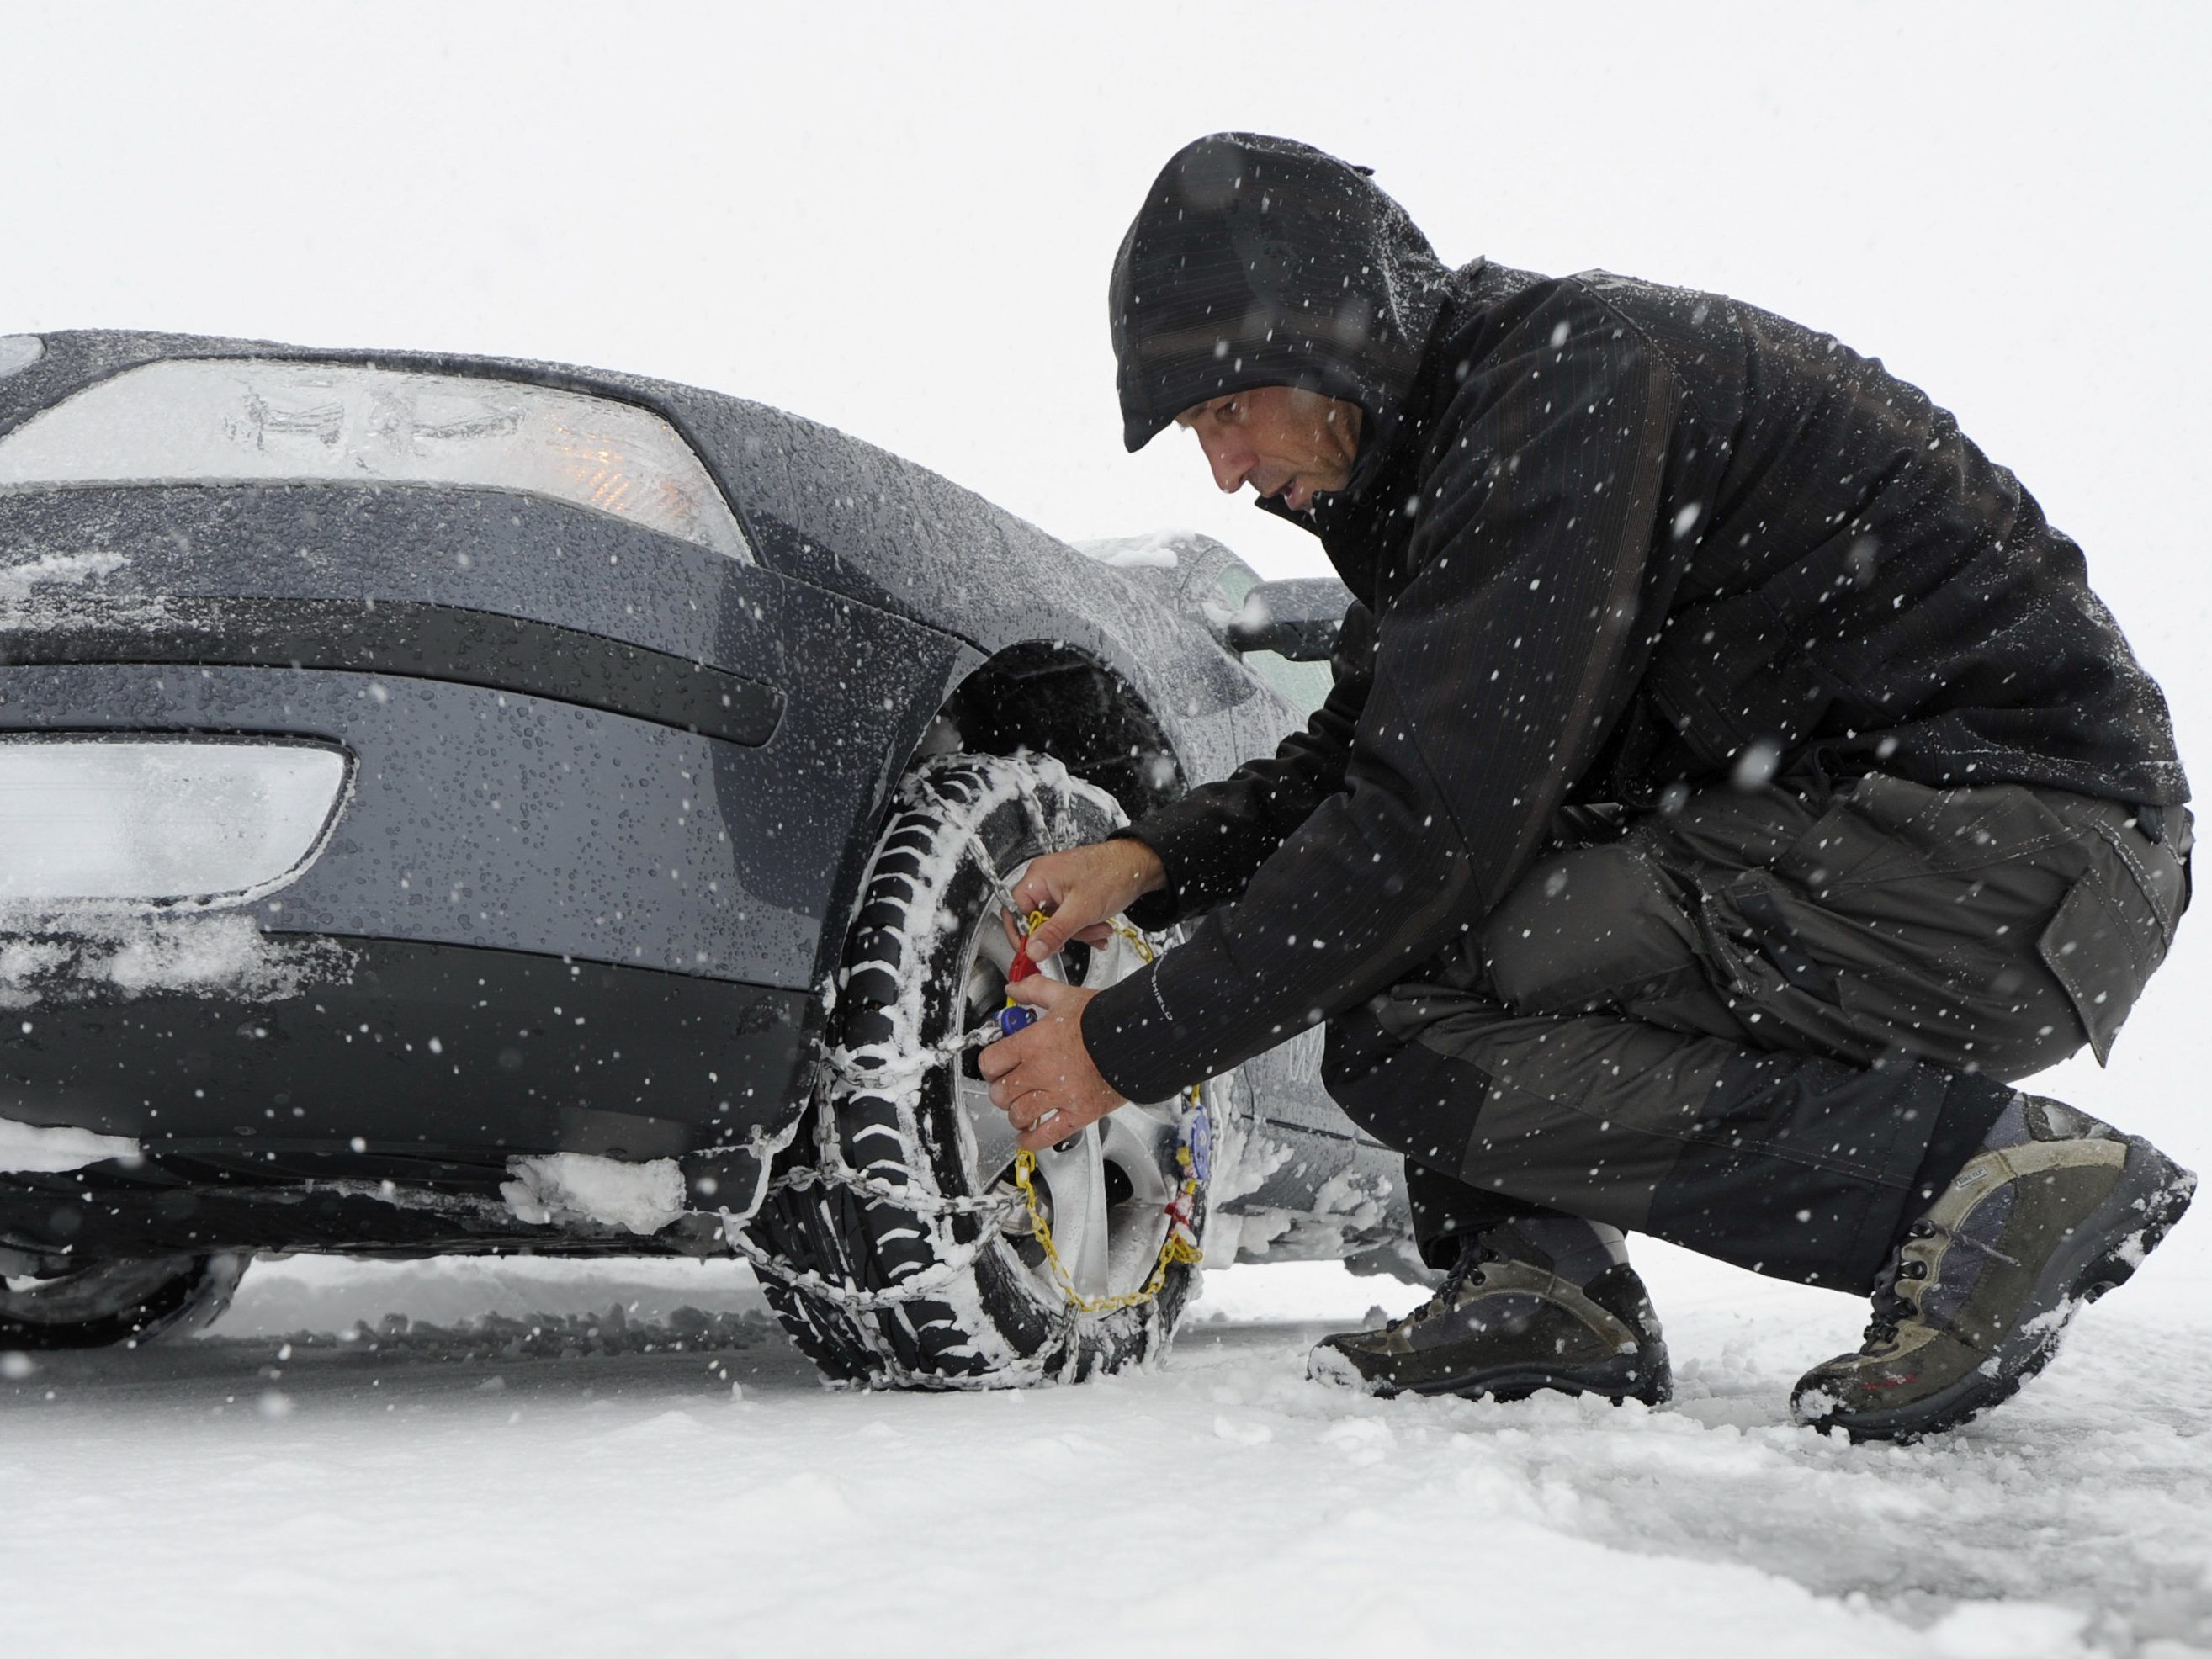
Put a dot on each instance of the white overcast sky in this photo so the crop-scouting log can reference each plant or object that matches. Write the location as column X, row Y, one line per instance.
column 898, row 218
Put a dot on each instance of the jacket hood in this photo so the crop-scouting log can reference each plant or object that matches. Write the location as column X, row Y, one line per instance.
column 1259, row 261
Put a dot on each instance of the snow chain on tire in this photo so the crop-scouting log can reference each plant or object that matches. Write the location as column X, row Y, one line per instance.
column 885, row 1266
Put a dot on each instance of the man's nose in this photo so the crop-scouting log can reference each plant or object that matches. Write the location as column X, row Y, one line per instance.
column 1231, row 463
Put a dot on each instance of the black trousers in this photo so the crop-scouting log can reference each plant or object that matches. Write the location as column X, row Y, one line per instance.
column 1769, row 1026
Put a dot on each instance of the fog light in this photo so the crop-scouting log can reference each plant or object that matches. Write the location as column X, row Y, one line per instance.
column 156, row 819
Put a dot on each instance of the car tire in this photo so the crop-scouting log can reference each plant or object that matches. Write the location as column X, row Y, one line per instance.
column 906, row 1257
column 132, row 1301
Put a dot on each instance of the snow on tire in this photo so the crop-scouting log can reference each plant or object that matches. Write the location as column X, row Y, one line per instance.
column 909, row 1259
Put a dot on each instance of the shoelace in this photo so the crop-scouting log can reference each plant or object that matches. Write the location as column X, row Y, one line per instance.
column 1890, row 1310
column 1466, row 1271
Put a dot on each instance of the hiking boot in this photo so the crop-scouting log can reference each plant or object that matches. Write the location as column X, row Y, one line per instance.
column 2053, row 1211
column 1537, row 1302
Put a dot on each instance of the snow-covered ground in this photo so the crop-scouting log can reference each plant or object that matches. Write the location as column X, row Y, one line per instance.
column 425, row 1493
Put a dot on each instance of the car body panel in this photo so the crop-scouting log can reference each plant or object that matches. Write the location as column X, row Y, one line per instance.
column 484, row 818
column 583, row 752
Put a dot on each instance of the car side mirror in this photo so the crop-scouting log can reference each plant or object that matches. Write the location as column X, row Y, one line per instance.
column 1298, row 619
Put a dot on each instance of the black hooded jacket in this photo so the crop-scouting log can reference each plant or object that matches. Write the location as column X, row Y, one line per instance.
column 1605, row 538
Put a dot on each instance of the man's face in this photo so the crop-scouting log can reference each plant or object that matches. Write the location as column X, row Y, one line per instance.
column 1280, row 440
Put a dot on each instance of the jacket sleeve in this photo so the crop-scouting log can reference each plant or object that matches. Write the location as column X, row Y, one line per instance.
column 1214, row 838
column 1496, row 673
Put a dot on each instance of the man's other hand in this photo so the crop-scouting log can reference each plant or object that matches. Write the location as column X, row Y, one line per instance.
column 1041, row 1077
column 1081, row 889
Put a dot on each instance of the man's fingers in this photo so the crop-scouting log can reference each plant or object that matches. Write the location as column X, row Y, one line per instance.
column 1046, row 1132
column 1030, row 1084
column 1082, row 913
column 1048, row 935
column 1079, row 890
column 997, row 1059
column 1016, row 1081
column 1021, row 1104
column 1043, row 1078
column 1043, row 883
column 1038, row 992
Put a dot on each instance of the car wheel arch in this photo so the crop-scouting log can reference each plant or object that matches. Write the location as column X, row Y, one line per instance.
column 1051, row 697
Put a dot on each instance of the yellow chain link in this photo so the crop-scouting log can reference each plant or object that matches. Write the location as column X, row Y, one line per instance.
column 1179, row 1246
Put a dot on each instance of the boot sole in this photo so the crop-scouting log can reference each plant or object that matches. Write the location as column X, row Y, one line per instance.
column 1646, row 1376
column 2152, row 1193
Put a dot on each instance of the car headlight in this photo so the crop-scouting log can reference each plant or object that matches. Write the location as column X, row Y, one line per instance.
column 250, row 419
column 159, row 818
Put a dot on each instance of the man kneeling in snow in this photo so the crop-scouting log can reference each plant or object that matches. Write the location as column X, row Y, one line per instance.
column 1729, row 782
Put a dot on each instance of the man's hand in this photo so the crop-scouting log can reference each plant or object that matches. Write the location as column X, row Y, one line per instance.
column 1079, row 890
column 1041, row 1077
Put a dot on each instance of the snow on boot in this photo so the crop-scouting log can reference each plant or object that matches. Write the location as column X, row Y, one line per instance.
column 1538, row 1302
column 2052, row 1210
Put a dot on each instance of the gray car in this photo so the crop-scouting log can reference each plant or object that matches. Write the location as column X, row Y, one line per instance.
column 454, row 804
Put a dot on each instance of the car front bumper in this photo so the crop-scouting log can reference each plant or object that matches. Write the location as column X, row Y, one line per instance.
column 425, row 1067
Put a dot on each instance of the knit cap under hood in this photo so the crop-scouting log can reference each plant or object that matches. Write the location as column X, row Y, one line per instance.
column 1259, row 261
